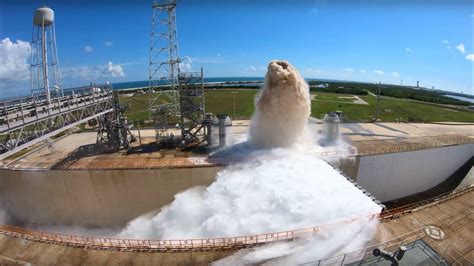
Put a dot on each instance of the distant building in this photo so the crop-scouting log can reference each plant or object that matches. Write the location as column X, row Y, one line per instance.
column 322, row 85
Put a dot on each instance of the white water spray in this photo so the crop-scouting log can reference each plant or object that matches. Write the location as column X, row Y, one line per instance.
column 282, row 108
column 280, row 188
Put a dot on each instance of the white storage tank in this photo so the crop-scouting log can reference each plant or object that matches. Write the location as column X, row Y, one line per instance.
column 45, row 14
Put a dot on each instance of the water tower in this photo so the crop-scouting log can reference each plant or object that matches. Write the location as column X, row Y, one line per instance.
column 45, row 79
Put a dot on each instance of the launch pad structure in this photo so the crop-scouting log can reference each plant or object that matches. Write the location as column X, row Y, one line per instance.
column 108, row 189
column 176, row 98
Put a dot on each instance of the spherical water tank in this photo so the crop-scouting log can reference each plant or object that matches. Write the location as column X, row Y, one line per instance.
column 43, row 13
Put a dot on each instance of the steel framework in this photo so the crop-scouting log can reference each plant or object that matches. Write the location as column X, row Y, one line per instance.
column 45, row 78
column 28, row 120
column 175, row 96
column 194, row 124
column 163, row 67
column 114, row 130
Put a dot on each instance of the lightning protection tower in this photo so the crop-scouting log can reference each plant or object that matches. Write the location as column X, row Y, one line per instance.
column 163, row 68
column 45, row 80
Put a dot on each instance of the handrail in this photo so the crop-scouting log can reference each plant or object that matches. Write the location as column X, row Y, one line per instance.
column 167, row 245
column 397, row 212
column 27, row 110
column 218, row 243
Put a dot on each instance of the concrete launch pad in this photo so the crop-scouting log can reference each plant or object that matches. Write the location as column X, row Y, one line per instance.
column 109, row 189
column 454, row 216
column 367, row 138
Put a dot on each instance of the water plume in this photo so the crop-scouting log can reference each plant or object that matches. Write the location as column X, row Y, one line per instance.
column 274, row 186
column 282, row 108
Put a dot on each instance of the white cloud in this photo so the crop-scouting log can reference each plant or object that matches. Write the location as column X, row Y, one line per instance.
column 88, row 48
column 255, row 70
column 461, row 48
column 395, row 74
column 409, row 50
column 315, row 72
column 362, row 71
column 470, row 57
column 113, row 70
column 108, row 43
column 186, row 64
column 377, row 71
column 93, row 73
column 14, row 66
column 86, row 73
column 447, row 43
column 348, row 69
column 208, row 60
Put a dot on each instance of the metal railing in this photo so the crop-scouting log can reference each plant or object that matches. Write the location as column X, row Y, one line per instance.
column 443, row 254
column 27, row 110
column 124, row 244
column 28, row 120
column 416, row 143
column 399, row 211
column 220, row 243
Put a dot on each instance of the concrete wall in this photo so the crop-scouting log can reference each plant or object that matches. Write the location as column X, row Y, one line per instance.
column 108, row 198
column 395, row 175
column 111, row 198
column 349, row 166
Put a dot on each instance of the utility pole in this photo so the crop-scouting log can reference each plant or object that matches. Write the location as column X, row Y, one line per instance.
column 234, row 92
column 378, row 103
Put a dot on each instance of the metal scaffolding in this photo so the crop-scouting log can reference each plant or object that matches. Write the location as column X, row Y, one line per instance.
column 163, row 67
column 114, row 130
column 175, row 97
column 29, row 120
column 194, row 125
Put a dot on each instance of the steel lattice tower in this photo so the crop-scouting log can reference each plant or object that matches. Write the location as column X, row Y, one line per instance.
column 163, row 67
column 45, row 79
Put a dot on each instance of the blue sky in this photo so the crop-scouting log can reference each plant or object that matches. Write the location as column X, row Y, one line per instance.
column 388, row 41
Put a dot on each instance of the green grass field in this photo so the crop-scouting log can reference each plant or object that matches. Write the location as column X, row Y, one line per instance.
column 137, row 106
column 222, row 101
column 323, row 96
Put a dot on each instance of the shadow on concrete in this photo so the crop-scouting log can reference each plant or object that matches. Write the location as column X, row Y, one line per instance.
column 390, row 128
column 82, row 152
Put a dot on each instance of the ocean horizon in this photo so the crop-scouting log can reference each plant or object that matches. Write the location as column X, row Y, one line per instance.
column 145, row 83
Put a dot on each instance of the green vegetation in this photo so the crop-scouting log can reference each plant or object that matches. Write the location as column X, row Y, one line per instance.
column 217, row 102
column 222, row 101
column 391, row 109
column 343, row 90
column 136, row 107
column 319, row 96
column 417, row 94
column 396, row 91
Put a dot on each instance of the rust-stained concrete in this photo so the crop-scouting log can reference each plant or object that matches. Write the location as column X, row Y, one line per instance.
column 368, row 138
column 454, row 216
